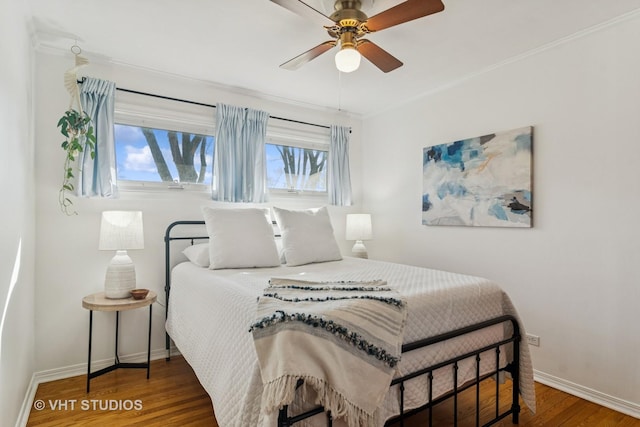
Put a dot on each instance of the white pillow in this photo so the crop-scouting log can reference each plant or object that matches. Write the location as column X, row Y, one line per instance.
column 240, row 238
column 198, row 254
column 307, row 236
column 280, row 247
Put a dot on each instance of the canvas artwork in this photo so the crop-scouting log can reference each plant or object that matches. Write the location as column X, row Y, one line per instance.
column 482, row 181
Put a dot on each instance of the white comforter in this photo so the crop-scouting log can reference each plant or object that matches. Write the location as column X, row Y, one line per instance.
column 210, row 313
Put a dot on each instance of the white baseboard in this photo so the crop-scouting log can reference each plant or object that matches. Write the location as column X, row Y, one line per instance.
column 25, row 410
column 611, row 402
column 75, row 370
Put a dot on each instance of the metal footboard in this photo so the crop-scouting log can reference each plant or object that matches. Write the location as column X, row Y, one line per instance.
column 286, row 420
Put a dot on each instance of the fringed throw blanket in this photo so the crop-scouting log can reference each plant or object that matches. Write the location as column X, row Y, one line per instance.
column 343, row 339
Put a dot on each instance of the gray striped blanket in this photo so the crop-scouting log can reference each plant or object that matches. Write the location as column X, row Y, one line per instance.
column 342, row 338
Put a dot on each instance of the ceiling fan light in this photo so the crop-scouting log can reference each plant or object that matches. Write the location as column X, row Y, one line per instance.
column 348, row 59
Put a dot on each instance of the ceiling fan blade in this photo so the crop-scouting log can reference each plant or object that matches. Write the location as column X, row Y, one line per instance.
column 303, row 58
column 301, row 8
column 378, row 56
column 404, row 12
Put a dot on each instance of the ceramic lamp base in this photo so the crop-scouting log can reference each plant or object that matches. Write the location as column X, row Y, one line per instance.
column 121, row 276
column 359, row 250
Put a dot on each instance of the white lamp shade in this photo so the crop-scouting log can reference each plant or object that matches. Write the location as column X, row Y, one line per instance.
column 348, row 59
column 121, row 230
column 359, row 227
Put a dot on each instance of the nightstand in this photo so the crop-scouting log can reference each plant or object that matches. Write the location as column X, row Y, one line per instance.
column 99, row 302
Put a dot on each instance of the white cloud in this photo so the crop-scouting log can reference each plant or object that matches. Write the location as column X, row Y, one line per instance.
column 139, row 159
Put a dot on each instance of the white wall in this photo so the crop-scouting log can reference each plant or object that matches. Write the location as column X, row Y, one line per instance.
column 574, row 276
column 17, row 217
column 69, row 265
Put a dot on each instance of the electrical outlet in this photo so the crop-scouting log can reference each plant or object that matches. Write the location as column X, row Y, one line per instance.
column 533, row 340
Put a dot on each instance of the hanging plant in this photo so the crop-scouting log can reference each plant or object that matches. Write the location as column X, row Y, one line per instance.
column 78, row 132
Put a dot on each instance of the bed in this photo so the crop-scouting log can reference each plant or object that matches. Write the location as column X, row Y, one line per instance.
column 459, row 330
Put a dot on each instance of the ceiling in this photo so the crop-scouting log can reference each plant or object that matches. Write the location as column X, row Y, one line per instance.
column 241, row 43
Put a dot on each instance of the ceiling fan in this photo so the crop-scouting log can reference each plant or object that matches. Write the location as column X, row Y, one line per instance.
column 348, row 24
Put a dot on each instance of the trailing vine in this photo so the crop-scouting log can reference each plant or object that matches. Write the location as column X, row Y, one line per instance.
column 78, row 132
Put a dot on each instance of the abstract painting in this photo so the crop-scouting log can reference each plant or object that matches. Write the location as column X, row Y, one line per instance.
column 483, row 181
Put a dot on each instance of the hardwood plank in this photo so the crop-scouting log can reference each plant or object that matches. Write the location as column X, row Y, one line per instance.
column 174, row 397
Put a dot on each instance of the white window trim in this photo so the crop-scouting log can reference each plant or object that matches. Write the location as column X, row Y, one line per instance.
column 162, row 186
column 314, row 139
column 187, row 124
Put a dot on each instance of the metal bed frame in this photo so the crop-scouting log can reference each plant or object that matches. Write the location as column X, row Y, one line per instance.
column 513, row 367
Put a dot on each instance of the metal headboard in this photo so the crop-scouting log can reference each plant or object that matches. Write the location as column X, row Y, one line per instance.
column 167, row 266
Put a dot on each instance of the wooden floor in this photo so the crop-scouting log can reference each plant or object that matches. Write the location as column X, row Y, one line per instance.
column 173, row 397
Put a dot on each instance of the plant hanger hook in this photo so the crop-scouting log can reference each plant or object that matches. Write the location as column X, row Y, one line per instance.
column 71, row 77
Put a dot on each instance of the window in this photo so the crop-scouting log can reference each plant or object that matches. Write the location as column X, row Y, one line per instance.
column 164, row 144
column 297, row 158
column 145, row 154
column 296, row 169
column 161, row 143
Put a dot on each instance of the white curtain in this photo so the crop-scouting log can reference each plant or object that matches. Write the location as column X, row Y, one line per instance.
column 239, row 171
column 97, row 176
column 339, row 176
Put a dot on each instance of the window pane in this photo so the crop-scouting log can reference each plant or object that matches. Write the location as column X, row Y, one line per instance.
column 156, row 155
column 293, row 168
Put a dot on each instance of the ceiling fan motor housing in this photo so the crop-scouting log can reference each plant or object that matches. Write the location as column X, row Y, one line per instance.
column 348, row 13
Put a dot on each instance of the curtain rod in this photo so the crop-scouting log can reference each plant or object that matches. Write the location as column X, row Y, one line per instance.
column 202, row 104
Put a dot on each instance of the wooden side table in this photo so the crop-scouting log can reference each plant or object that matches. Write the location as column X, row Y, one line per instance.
column 99, row 302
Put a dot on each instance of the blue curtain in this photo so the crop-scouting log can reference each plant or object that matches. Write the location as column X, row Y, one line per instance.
column 339, row 176
column 255, row 139
column 239, row 171
column 97, row 176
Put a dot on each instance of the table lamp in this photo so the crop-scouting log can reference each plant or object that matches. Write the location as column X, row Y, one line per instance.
column 120, row 231
column 359, row 229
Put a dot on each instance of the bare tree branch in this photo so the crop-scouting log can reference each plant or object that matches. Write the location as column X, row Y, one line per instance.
column 156, row 153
